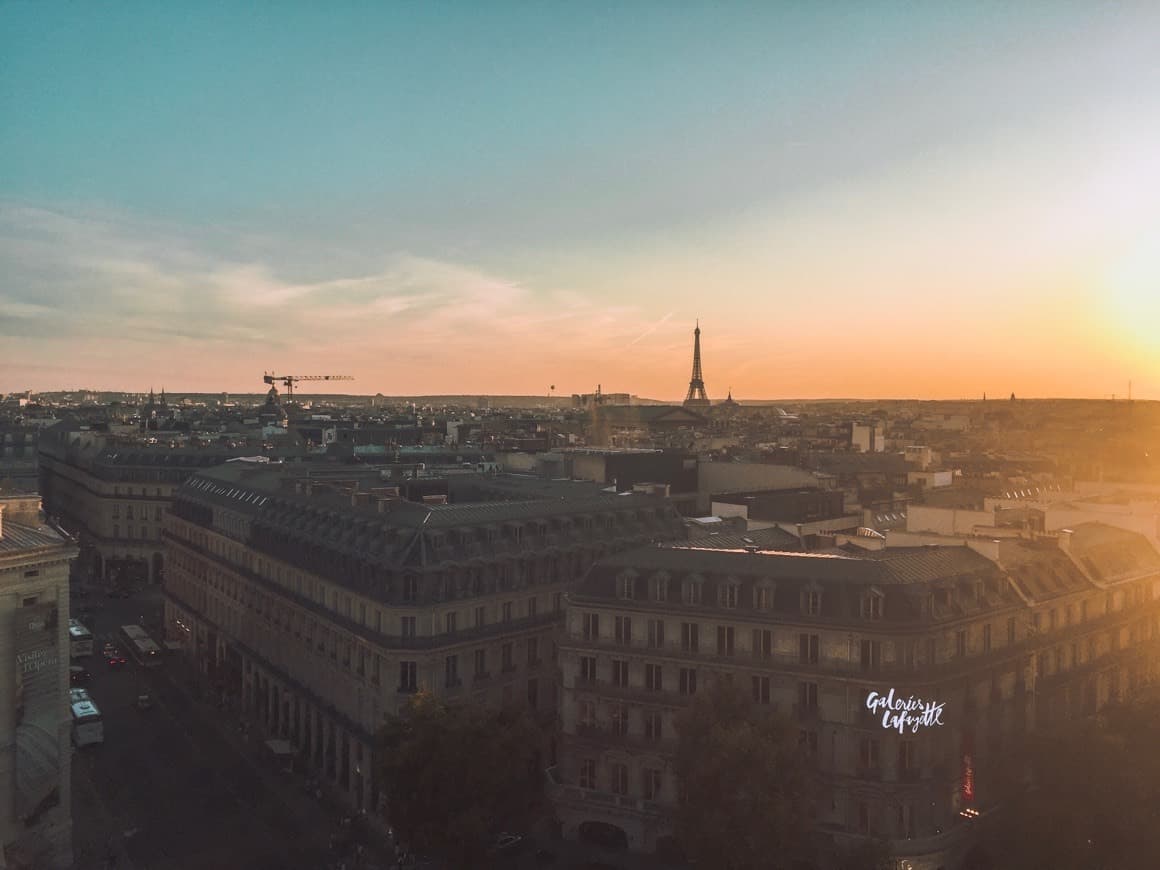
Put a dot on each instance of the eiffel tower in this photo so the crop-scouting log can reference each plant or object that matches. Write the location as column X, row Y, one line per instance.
column 697, row 399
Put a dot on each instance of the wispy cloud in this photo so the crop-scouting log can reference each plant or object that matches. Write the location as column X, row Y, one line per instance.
column 653, row 328
column 89, row 287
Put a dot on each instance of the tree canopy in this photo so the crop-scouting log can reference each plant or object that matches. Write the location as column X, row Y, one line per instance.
column 453, row 775
column 1091, row 799
column 744, row 785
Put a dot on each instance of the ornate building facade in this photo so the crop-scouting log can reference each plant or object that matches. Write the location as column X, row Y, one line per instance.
column 35, row 722
column 908, row 672
column 318, row 603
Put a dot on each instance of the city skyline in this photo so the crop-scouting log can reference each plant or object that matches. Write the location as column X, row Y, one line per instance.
column 886, row 202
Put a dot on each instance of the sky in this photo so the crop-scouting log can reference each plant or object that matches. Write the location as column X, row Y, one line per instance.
column 855, row 199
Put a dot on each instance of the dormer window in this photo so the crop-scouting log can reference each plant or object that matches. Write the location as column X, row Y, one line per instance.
column 626, row 586
column 811, row 600
column 872, row 604
column 728, row 592
column 763, row 596
column 691, row 590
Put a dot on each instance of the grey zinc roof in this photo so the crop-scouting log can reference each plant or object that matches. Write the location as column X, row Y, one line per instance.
column 17, row 537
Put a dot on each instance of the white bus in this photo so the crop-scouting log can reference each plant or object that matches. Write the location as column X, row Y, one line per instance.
column 141, row 646
column 80, row 640
column 88, row 727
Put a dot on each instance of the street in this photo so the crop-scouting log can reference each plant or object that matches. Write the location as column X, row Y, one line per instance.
column 166, row 790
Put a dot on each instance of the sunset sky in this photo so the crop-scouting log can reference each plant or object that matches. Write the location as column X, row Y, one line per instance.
column 856, row 199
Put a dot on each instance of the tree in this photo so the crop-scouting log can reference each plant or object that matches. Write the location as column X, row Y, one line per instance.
column 1089, row 799
column 744, row 786
column 454, row 775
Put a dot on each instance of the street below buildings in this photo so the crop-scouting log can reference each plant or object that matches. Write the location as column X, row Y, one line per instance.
column 166, row 790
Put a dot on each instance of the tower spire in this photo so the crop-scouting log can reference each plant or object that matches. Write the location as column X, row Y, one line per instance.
column 696, row 397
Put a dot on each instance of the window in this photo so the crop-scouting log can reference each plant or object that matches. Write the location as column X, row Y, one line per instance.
column 807, row 649
column 619, row 775
column 588, row 773
column 620, row 673
column 557, row 602
column 376, row 668
column 872, row 605
column 480, row 663
column 534, row 694
column 626, row 587
column 450, row 622
column 653, row 725
column 1083, row 611
column 480, row 617
column 812, row 602
column 1053, row 619
column 688, row 681
column 506, row 659
column 116, row 511
column 410, row 589
column 1011, row 628
column 868, row 753
column 408, row 623
column 724, row 640
column 532, row 606
column 762, row 643
column 408, row 676
column 987, row 638
column 533, row 651
column 692, row 592
column 507, row 611
column 586, row 716
column 650, row 787
column 961, row 643
column 116, row 530
column 871, row 655
column 863, row 818
column 451, row 665
column 808, row 696
column 656, row 633
column 761, row 690
column 591, row 626
column 763, row 598
column 623, row 627
column 588, row 669
column 808, row 740
column 1069, row 615
column 618, row 716
column 907, row 755
column 654, row 678
column 690, row 637
column 727, row 595
column 129, row 512
column 660, row 588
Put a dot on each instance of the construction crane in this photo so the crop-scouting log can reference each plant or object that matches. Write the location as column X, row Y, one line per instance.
column 288, row 381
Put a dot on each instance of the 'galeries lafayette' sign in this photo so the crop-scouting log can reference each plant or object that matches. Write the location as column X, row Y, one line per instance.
column 900, row 713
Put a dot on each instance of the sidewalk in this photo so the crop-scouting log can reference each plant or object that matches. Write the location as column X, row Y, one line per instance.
column 320, row 819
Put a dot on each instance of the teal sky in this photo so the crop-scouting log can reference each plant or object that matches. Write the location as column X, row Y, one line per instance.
column 468, row 197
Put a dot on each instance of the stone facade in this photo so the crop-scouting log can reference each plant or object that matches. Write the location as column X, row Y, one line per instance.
column 317, row 605
column 1042, row 631
column 35, row 719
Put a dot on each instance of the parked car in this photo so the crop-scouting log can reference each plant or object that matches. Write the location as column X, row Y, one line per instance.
column 78, row 675
column 115, row 659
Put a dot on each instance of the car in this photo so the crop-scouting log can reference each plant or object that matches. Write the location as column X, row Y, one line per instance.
column 115, row 659
column 78, row 675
